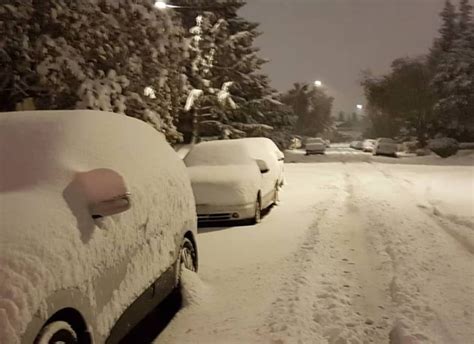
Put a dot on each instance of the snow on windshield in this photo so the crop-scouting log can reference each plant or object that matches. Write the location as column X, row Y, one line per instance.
column 218, row 153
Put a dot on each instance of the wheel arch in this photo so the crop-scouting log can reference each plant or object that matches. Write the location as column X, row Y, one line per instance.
column 190, row 235
column 76, row 320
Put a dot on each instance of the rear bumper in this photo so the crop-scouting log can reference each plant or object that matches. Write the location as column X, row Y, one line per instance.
column 215, row 213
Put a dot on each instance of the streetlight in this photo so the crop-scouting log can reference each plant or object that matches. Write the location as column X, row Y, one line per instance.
column 360, row 106
column 162, row 5
column 318, row 83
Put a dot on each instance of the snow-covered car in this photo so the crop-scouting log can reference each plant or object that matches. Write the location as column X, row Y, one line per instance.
column 228, row 183
column 385, row 146
column 356, row 145
column 315, row 146
column 97, row 221
column 368, row 145
column 265, row 149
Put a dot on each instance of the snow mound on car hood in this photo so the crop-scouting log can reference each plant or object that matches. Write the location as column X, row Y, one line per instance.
column 48, row 242
column 225, row 185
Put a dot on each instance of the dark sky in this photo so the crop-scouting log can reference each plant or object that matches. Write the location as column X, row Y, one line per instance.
column 334, row 40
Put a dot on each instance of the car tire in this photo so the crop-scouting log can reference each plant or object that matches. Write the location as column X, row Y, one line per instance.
column 57, row 332
column 258, row 212
column 276, row 197
column 188, row 256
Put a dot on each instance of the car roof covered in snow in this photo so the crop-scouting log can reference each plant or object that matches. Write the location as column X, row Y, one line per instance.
column 219, row 153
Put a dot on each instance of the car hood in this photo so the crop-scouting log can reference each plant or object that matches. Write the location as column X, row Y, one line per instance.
column 225, row 185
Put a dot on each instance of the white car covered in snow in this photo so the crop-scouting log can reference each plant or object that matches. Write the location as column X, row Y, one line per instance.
column 385, row 146
column 315, row 146
column 97, row 220
column 265, row 149
column 229, row 183
column 368, row 145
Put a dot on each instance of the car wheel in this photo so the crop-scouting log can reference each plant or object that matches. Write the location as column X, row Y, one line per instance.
column 57, row 332
column 276, row 195
column 258, row 212
column 187, row 255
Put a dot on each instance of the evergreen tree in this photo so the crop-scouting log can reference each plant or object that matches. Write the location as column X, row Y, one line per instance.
column 453, row 79
column 448, row 33
column 235, row 60
column 312, row 107
column 96, row 55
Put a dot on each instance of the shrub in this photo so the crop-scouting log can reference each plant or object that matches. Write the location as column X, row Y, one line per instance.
column 444, row 147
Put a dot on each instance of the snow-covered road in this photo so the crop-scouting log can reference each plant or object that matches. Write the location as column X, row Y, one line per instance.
column 357, row 252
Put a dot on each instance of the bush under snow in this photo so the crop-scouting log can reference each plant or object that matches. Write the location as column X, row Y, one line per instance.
column 444, row 147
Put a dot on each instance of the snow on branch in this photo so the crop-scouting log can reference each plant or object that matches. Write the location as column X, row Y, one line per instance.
column 193, row 96
column 224, row 96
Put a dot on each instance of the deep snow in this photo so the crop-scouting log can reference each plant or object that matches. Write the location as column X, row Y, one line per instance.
column 356, row 252
column 48, row 239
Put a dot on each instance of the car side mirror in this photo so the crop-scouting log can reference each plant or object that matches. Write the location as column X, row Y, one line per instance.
column 105, row 192
column 112, row 206
column 263, row 167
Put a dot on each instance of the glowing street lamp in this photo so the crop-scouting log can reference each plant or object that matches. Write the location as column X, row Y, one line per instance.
column 162, row 5
column 318, row 83
column 360, row 106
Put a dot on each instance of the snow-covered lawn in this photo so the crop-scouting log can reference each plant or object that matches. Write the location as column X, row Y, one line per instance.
column 357, row 252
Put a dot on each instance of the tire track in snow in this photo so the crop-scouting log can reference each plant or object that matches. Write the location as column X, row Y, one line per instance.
column 428, row 270
column 332, row 295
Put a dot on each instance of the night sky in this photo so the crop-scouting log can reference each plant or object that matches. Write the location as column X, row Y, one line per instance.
column 334, row 40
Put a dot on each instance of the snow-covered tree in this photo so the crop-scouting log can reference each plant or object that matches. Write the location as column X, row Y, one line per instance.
column 207, row 99
column 94, row 54
column 447, row 33
column 236, row 60
column 453, row 79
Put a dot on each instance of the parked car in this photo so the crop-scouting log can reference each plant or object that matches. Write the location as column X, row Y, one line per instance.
column 265, row 149
column 368, row 145
column 356, row 145
column 97, row 220
column 385, row 146
column 229, row 183
column 315, row 146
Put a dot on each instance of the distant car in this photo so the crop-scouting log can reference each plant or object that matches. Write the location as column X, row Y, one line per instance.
column 229, row 184
column 97, row 219
column 356, row 145
column 368, row 145
column 265, row 149
column 315, row 146
column 385, row 146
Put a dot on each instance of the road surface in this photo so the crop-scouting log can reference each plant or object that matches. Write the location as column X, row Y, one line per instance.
column 357, row 251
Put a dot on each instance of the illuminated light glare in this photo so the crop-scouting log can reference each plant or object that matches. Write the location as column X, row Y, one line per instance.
column 161, row 5
column 318, row 83
column 360, row 107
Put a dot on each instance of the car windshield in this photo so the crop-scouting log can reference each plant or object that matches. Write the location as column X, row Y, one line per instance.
column 218, row 153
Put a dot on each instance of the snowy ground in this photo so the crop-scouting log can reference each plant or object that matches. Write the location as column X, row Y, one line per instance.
column 358, row 251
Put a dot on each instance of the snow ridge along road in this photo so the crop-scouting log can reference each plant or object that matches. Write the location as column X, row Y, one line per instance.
column 353, row 254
